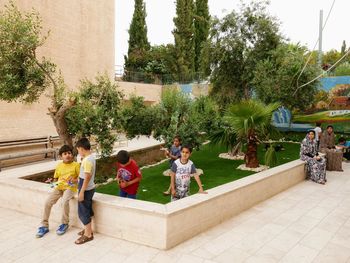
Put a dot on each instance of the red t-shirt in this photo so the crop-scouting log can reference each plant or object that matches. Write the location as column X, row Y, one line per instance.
column 128, row 173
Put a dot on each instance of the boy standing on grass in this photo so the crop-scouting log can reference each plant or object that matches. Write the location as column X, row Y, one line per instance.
column 174, row 153
column 66, row 175
column 86, row 188
column 128, row 175
column 181, row 172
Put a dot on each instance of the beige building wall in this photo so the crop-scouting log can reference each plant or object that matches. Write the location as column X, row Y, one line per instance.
column 81, row 43
column 150, row 92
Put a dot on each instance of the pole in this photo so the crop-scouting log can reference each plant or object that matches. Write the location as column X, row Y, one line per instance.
column 320, row 39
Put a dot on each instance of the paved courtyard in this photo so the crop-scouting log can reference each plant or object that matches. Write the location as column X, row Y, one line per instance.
column 307, row 223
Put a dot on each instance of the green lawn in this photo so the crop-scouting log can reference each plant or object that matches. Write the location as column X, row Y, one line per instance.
column 217, row 171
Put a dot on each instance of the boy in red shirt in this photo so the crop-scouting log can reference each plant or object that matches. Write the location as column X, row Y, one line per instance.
column 128, row 175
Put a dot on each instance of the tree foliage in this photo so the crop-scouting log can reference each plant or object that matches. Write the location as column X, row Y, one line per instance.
column 343, row 69
column 139, row 119
column 207, row 114
column 331, row 57
column 23, row 76
column 177, row 117
column 161, row 63
column 138, row 41
column 237, row 42
column 97, row 112
column 276, row 78
column 176, row 114
column 201, row 33
column 247, row 122
column 184, row 39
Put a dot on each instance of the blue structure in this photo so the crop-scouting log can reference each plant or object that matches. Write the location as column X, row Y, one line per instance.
column 282, row 120
column 329, row 82
column 186, row 88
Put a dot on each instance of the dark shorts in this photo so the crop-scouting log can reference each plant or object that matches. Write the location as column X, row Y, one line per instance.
column 122, row 193
column 85, row 211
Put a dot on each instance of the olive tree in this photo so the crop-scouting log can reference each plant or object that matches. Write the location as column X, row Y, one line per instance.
column 24, row 77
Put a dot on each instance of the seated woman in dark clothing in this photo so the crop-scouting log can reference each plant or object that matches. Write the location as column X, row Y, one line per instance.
column 315, row 164
column 327, row 139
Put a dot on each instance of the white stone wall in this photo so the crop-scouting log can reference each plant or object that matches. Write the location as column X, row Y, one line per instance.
column 151, row 224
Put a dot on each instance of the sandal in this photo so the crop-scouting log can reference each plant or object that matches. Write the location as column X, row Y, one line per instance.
column 83, row 239
column 80, row 233
column 166, row 193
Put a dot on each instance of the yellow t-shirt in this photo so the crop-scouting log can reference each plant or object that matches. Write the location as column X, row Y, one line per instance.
column 65, row 172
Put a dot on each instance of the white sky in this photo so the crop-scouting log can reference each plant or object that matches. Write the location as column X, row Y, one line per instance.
column 299, row 21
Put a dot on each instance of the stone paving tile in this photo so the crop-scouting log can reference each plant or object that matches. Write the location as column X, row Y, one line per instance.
column 300, row 254
column 333, row 253
column 232, row 255
column 268, row 254
column 306, row 223
column 317, row 239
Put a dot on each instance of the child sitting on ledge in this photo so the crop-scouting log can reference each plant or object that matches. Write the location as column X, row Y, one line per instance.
column 344, row 145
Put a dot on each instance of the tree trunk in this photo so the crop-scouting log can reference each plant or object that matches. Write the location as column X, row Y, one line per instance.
column 57, row 113
column 251, row 156
column 236, row 150
column 246, row 92
column 58, row 117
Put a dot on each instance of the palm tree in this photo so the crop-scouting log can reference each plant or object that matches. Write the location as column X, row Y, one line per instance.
column 247, row 122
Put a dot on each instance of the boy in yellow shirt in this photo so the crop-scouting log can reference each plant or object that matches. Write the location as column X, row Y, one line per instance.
column 66, row 175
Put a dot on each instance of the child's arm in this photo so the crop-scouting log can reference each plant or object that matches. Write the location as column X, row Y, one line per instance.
column 172, row 183
column 51, row 180
column 55, row 177
column 75, row 178
column 87, row 168
column 198, row 180
column 171, row 156
column 174, row 157
column 138, row 177
column 124, row 184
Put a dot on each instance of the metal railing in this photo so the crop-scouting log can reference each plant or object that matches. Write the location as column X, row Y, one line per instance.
column 160, row 79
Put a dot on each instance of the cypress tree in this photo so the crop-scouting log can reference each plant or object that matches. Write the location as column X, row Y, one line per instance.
column 138, row 41
column 184, row 39
column 343, row 48
column 201, row 25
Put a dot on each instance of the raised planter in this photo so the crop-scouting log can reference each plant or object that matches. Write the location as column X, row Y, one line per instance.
column 157, row 225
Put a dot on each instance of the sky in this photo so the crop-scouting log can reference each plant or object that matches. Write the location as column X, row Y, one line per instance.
column 299, row 21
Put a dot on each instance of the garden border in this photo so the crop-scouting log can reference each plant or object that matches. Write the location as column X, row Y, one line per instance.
column 152, row 224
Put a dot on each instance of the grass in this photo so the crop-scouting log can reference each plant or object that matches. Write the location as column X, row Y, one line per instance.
column 217, row 171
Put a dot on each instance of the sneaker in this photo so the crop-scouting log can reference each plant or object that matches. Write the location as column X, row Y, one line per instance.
column 42, row 231
column 166, row 193
column 62, row 229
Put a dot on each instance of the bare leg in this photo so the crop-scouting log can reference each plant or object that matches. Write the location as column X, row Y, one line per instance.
column 88, row 230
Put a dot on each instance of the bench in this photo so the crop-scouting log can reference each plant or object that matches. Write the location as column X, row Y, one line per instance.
column 25, row 148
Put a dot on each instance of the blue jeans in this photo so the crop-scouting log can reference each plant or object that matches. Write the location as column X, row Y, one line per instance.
column 122, row 193
column 85, row 211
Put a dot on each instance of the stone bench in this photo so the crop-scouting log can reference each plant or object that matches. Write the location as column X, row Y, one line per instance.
column 24, row 148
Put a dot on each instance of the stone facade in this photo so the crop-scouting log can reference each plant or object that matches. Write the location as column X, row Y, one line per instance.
column 81, row 43
column 150, row 92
